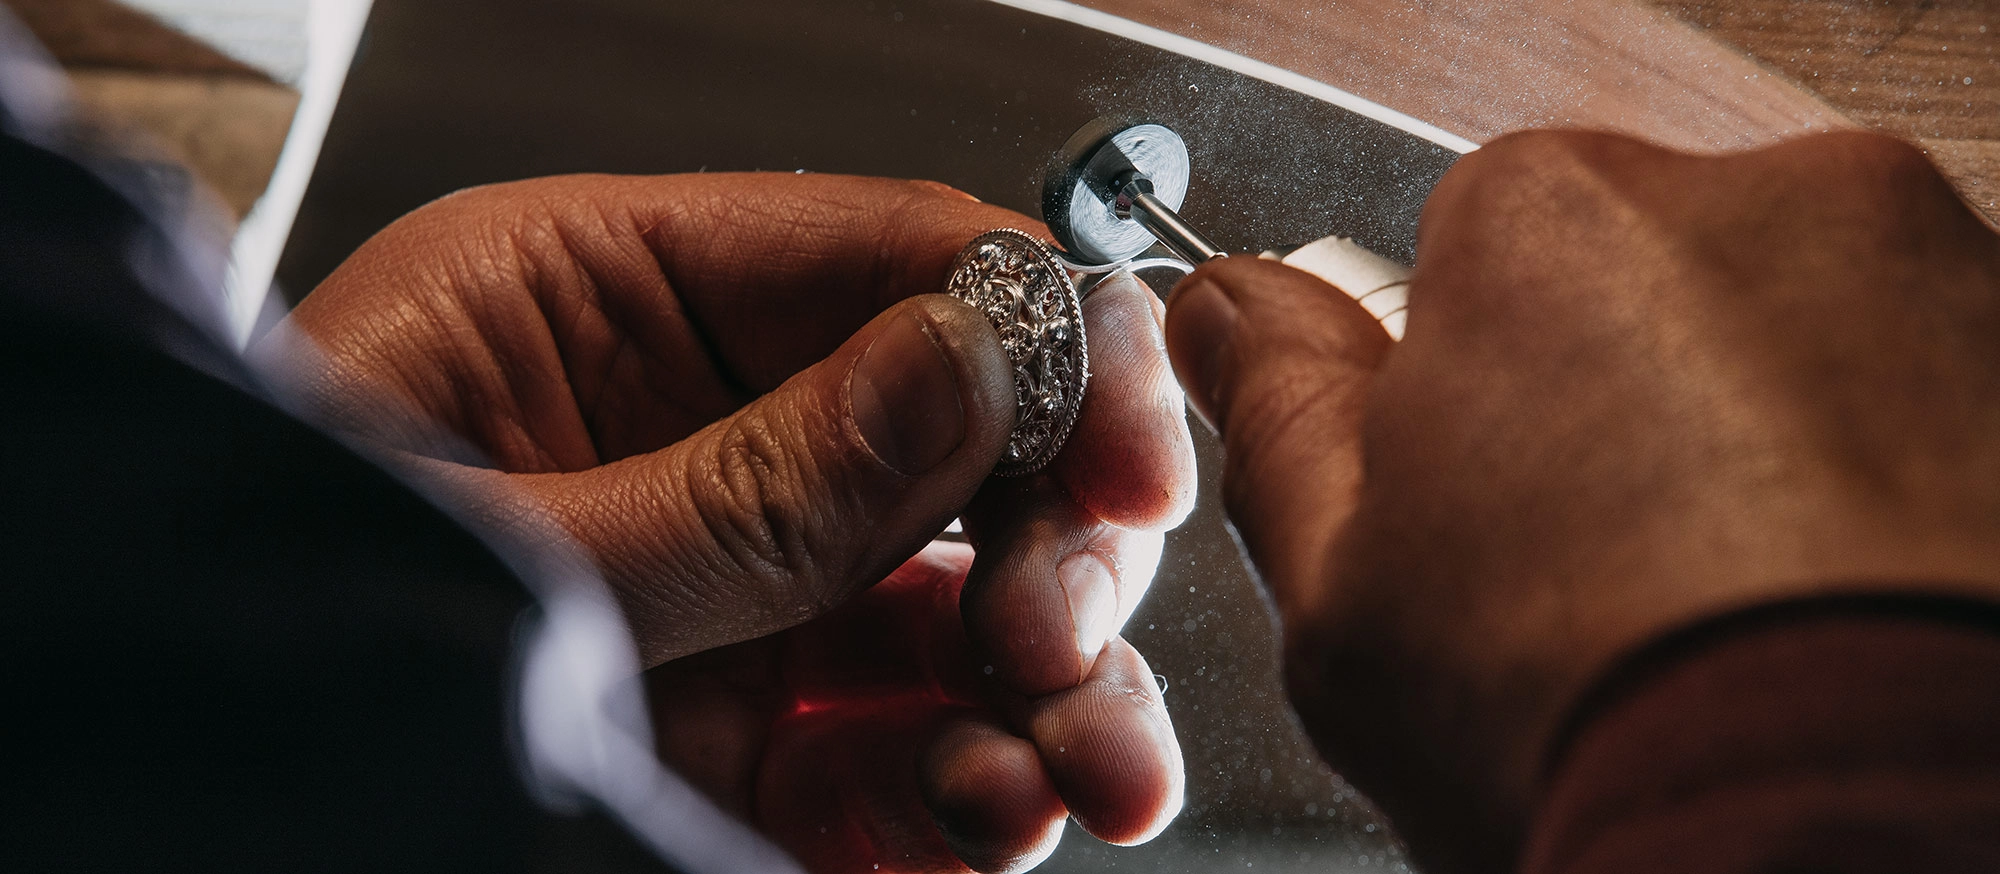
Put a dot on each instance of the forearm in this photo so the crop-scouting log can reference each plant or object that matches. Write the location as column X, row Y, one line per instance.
column 1849, row 736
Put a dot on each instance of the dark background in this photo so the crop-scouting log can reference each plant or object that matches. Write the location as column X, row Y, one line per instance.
column 446, row 94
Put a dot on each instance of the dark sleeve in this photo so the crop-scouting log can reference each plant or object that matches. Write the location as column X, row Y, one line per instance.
column 227, row 643
column 1833, row 737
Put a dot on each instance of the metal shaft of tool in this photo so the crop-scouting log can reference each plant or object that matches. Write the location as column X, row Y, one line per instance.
column 1169, row 228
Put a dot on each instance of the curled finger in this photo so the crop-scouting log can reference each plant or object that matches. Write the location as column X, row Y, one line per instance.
column 1110, row 749
column 1052, row 585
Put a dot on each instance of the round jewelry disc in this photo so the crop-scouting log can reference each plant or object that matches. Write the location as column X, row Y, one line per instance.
column 1017, row 282
column 1075, row 203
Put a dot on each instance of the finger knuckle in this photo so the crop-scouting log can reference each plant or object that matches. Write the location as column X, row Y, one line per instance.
column 1873, row 193
column 1484, row 199
column 1521, row 196
column 1908, row 185
column 1544, row 169
column 755, row 517
column 1855, row 170
column 1536, row 147
column 1508, row 161
column 1888, row 153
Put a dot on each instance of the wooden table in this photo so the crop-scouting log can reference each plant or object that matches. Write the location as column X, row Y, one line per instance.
column 1702, row 75
column 1695, row 74
column 1924, row 70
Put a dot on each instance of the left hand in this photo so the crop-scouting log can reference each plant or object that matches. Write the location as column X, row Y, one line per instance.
column 668, row 368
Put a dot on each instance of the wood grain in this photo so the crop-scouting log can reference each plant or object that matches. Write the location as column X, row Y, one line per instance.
column 1699, row 75
column 1918, row 68
column 1924, row 70
column 1483, row 69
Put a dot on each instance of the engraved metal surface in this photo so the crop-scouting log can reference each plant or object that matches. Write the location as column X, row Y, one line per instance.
column 1017, row 282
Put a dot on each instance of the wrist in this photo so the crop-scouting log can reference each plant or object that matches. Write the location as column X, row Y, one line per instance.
column 1787, row 735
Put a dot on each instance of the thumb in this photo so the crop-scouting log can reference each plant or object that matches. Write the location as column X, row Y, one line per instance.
column 1279, row 364
column 815, row 491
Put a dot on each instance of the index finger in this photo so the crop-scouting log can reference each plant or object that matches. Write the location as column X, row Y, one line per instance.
column 772, row 270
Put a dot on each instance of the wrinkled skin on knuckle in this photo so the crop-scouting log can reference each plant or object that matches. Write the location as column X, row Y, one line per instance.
column 769, row 531
column 1499, row 219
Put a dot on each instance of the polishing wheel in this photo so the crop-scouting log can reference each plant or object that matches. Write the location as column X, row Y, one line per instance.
column 1116, row 187
column 1088, row 198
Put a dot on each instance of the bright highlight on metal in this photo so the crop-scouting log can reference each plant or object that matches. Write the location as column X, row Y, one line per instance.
column 1082, row 200
column 1017, row 283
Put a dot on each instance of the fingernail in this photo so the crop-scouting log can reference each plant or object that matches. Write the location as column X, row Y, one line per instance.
column 1092, row 589
column 904, row 394
column 1201, row 321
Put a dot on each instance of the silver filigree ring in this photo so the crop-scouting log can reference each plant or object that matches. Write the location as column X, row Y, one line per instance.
column 1022, row 288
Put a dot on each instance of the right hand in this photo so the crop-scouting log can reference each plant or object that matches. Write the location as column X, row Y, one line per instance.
column 1638, row 389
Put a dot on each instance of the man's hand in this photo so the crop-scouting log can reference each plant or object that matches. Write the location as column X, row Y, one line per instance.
column 743, row 397
column 1638, row 389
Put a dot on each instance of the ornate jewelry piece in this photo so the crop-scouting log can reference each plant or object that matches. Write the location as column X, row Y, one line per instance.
column 1017, row 282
